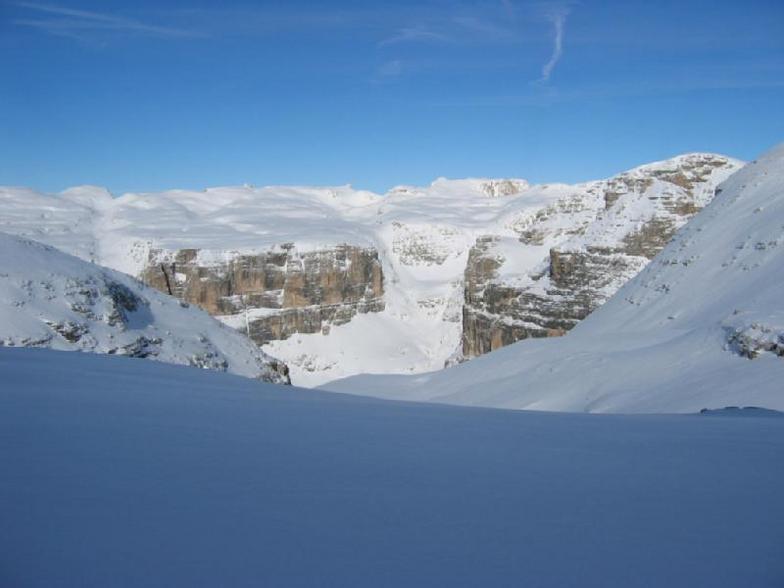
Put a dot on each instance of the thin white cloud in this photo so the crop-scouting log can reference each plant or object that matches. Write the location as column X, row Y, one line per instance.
column 484, row 29
column 463, row 27
column 390, row 69
column 558, row 18
column 414, row 34
column 71, row 22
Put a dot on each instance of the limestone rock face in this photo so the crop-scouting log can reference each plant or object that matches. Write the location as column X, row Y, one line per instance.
column 273, row 294
column 496, row 314
column 619, row 225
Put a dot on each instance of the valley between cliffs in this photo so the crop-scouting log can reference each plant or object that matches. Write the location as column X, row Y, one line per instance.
column 337, row 281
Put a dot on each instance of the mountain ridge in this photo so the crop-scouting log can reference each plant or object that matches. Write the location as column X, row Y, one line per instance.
column 699, row 327
column 407, row 307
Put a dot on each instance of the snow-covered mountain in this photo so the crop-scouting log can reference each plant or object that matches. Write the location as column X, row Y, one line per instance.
column 336, row 281
column 55, row 300
column 596, row 241
column 701, row 326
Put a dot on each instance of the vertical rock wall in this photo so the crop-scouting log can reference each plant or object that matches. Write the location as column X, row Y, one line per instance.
column 273, row 294
column 641, row 213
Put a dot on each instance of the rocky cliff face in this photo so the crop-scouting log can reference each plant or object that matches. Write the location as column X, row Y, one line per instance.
column 401, row 283
column 634, row 216
column 496, row 314
column 273, row 294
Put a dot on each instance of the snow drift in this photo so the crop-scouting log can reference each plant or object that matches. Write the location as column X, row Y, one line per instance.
column 129, row 473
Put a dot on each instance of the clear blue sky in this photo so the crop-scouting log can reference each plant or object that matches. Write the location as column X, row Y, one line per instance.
column 156, row 94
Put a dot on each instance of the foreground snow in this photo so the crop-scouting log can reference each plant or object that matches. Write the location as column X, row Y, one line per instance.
column 54, row 300
column 701, row 326
column 124, row 473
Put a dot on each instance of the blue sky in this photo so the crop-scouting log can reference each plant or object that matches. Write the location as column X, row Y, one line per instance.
column 148, row 95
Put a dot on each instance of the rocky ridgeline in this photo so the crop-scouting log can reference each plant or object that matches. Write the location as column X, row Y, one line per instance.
column 620, row 225
column 273, row 294
column 437, row 273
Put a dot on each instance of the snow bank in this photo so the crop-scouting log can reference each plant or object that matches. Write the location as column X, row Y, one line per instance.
column 127, row 473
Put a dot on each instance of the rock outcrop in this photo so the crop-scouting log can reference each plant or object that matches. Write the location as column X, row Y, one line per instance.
column 273, row 294
column 635, row 215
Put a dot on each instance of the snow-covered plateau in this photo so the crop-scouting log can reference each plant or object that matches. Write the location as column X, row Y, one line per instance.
column 337, row 281
column 702, row 326
column 126, row 473
column 54, row 300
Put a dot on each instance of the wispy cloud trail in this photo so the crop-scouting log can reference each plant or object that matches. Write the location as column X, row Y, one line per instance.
column 61, row 20
column 390, row 69
column 414, row 34
column 558, row 18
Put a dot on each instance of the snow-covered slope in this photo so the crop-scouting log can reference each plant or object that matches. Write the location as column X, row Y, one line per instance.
column 51, row 299
column 701, row 326
column 268, row 260
column 136, row 474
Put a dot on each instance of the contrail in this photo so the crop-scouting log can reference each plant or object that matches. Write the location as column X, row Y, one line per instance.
column 558, row 19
